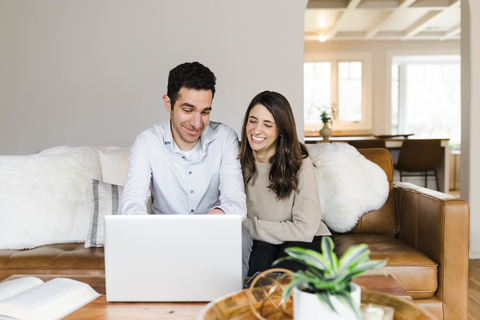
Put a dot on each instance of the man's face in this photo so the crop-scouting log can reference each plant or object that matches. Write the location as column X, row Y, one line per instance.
column 189, row 116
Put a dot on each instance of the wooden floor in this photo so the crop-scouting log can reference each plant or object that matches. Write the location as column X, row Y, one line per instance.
column 474, row 290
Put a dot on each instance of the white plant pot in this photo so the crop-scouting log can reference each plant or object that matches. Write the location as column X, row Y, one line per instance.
column 306, row 306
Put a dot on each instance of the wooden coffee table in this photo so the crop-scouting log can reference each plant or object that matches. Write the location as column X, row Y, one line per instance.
column 101, row 309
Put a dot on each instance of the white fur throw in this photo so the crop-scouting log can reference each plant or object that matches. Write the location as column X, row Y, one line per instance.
column 349, row 185
column 45, row 198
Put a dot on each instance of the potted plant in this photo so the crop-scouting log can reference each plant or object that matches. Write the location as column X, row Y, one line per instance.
column 325, row 289
column 326, row 116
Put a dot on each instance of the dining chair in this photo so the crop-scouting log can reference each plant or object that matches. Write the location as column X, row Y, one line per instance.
column 367, row 144
column 419, row 157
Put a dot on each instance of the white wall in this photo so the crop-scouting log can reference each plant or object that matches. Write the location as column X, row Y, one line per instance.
column 470, row 169
column 382, row 52
column 93, row 72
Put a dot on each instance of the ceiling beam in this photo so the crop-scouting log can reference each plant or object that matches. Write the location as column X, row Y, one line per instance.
column 327, row 4
column 375, row 26
column 310, row 36
column 420, row 24
column 433, row 4
column 451, row 33
column 405, row 4
column 454, row 4
column 383, row 18
column 423, row 22
column 343, row 17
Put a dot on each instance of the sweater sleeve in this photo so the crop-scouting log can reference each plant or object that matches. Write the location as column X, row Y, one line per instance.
column 306, row 215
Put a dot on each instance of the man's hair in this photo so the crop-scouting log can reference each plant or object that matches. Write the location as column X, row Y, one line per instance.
column 190, row 75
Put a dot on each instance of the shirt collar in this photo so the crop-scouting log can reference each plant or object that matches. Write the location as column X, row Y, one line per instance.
column 167, row 133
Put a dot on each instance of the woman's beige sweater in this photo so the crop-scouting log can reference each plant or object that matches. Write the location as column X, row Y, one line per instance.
column 295, row 218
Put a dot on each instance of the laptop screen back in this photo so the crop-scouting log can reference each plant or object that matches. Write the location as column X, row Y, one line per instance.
column 172, row 257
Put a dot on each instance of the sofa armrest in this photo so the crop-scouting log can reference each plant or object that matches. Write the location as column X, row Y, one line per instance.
column 437, row 224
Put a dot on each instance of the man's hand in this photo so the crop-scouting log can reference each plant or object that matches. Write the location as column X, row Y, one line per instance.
column 216, row 211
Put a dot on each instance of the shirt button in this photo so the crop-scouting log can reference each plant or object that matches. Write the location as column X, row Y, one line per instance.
column 189, row 172
column 191, row 210
column 191, row 191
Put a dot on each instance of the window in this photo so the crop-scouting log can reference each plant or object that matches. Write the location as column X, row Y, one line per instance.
column 342, row 83
column 426, row 98
column 350, row 91
column 317, row 89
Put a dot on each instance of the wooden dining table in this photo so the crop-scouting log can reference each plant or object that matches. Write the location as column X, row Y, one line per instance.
column 393, row 144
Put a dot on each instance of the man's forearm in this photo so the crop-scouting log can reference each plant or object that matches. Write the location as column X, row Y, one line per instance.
column 137, row 186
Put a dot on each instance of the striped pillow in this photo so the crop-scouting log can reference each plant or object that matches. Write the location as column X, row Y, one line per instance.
column 106, row 201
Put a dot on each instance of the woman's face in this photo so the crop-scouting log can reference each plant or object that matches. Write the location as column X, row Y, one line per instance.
column 262, row 133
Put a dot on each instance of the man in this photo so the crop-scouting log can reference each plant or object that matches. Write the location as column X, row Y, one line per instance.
column 189, row 163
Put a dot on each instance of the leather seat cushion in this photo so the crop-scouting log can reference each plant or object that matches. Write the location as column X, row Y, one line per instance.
column 415, row 272
column 65, row 258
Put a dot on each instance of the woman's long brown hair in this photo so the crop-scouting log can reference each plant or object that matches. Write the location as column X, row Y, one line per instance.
column 287, row 160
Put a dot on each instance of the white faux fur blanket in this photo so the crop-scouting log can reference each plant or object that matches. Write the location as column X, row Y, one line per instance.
column 349, row 185
column 46, row 198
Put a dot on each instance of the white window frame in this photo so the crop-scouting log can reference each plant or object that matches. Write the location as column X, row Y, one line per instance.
column 403, row 75
column 334, row 58
column 395, row 54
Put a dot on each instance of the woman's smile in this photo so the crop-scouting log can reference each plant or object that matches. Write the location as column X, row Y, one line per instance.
column 263, row 133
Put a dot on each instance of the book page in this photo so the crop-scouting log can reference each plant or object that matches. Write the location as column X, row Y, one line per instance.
column 13, row 287
column 52, row 300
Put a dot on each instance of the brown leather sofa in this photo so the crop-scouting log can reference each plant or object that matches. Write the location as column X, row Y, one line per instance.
column 422, row 233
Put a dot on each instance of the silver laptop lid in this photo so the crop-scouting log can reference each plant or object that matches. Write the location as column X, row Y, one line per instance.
column 172, row 257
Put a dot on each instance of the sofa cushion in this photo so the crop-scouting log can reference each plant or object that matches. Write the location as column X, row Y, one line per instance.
column 385, row 219
column 44, row 198
column 106, row 201
column 415, row 272
column 113, row 160
column 66, row 258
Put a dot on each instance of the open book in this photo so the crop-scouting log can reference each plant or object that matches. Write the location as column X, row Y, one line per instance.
column 31, row 298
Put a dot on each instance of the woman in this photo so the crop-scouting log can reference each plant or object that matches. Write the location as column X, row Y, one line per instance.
column 283, row 208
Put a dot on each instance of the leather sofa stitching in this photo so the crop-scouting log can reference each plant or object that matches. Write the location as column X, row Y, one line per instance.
column 417, row 202
column 55, row 258
column 8, row 259
column 432, row 197
column 398, row 197
column 427, row 266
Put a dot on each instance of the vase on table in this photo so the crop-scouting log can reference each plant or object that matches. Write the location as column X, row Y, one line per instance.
column 326, row 132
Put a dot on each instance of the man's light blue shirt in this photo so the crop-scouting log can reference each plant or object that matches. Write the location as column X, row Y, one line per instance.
column 212, row 178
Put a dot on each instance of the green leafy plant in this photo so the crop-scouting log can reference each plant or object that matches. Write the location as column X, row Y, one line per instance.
column 325, row 117
column 326, row 276
column 327, row 114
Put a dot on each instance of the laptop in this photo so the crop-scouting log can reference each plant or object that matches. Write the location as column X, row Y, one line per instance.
column 172, row 257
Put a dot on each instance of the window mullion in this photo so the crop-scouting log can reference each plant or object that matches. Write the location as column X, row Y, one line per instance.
column 334, row 83
column 402, row 99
